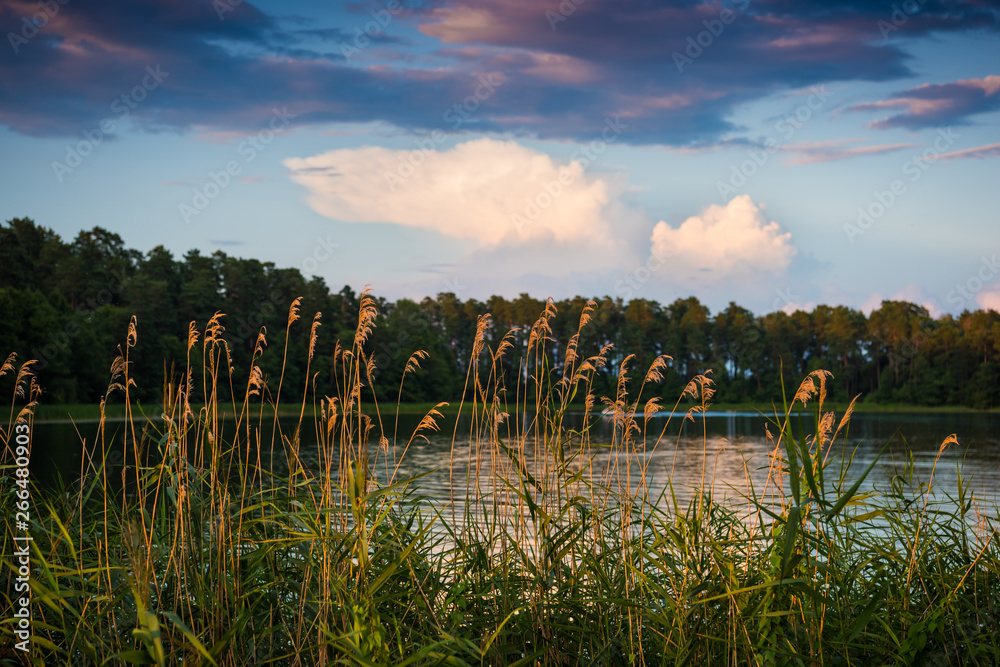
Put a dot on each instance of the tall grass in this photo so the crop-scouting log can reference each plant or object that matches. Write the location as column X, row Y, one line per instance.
column 227, row 542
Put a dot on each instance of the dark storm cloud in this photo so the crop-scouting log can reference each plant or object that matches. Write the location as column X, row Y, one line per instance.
column 670, row 73
column 227, row 73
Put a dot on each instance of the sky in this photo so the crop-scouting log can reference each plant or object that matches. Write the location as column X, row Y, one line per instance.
column 775, row 153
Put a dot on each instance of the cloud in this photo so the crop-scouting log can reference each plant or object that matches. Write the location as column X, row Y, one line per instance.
column 222, row 76
column 914, row 293
column 723, row 243
column 989, row 298
column 486, row 191
column 935, row 105
column 532, row 223
column 872, row 303
column 560, row 80
column 990, row 150
column 512, row 219
column 793, row 306
column 834, row 150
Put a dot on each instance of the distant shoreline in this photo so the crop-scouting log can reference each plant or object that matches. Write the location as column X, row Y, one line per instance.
column 87, row 413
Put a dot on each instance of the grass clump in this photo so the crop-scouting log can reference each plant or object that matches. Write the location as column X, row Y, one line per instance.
column 199, row 540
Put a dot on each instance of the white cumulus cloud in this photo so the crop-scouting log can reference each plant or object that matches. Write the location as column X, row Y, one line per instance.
column 485, row 190
column 723, row 243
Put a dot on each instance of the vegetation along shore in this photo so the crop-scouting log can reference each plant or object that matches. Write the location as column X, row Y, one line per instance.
column 64, row 304
column 204, row 540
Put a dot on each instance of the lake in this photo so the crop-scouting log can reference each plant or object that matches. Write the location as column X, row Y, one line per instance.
column 732, row 450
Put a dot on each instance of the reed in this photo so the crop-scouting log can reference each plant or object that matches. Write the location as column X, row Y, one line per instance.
column 226, row 542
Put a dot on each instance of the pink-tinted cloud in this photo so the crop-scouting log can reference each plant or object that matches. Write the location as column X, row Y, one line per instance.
column 989, row 150
column 937, row 104
column 794, row 306
column 912, row 293
column 989, row 298
column 677, row 69
column 837, row 149
column 872, row 303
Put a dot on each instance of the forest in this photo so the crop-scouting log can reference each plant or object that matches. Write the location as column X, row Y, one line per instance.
column 68, row 306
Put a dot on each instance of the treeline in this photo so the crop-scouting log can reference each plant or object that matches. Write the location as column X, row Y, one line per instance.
column 68, row 305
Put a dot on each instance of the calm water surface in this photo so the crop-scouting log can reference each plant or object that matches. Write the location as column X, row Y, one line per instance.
column 733, row 445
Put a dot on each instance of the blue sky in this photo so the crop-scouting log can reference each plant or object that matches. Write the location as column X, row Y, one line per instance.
column 779, row 154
